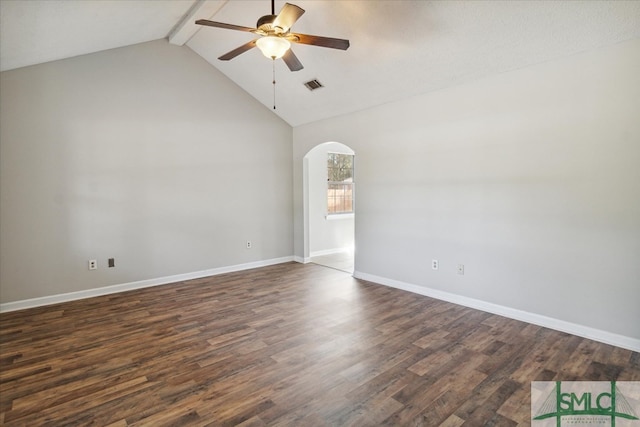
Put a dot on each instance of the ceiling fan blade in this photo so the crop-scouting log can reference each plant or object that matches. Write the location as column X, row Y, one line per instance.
column 223, row 25
column 292, row 61
column 237, row 51
column 288, row 16
column 320, row 41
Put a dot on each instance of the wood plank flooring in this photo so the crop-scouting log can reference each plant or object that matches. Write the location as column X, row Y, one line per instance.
column 290, row 345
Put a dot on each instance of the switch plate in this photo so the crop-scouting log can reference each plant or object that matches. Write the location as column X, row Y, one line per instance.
column 93, row 264
column 461, row 269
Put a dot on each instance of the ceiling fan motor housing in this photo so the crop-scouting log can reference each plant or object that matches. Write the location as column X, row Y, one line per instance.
column 265, row 25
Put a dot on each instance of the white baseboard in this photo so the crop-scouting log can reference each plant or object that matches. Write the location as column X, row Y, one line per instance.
column 106, row 290
column 330, row 251
column 617, row 340
column 302, row 260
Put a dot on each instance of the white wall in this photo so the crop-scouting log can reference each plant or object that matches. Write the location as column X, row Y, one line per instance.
column 325, row 236
column 144, row 153
column 531, row 179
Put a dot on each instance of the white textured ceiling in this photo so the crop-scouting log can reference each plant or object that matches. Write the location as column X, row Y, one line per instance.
column 37, row 31
column 398, row 48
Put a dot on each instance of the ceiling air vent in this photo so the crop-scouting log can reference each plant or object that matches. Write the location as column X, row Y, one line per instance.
column 313, row 84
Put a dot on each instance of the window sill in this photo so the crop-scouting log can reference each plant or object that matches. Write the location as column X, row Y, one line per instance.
column 332, row 217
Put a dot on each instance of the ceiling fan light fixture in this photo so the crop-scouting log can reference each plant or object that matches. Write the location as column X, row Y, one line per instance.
column 273, row 47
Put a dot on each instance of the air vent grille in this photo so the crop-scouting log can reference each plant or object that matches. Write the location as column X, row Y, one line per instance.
column 313, row 84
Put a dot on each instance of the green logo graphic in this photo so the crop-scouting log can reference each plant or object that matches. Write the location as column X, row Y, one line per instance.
column 585, row 403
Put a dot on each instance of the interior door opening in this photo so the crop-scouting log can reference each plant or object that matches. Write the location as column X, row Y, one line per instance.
column 330, row 206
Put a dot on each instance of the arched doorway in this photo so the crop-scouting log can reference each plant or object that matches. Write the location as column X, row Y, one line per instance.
column 329, row 206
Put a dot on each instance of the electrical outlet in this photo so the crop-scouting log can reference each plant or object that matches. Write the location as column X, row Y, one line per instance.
column 248, row 244
column 434, row 264
column 93, row 264
column 461, row 269
column 112, row 262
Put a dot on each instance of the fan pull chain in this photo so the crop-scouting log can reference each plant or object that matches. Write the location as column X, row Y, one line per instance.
column 274, row 83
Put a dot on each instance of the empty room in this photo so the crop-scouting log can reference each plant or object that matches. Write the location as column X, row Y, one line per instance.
column 319, row 213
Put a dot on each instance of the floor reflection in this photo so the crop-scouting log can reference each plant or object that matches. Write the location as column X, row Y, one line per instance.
column 342, row 261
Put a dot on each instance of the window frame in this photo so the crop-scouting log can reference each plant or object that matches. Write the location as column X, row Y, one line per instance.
column 350, row 185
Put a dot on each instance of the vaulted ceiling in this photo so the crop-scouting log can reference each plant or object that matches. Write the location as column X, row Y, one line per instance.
column 398, row 48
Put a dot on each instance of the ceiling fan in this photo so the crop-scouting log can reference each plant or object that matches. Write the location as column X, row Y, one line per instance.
column 276, row 36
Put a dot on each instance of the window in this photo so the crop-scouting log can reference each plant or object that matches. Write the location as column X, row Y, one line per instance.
column 339, row 183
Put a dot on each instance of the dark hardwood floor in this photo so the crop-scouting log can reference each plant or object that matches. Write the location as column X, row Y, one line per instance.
column 291, row 344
